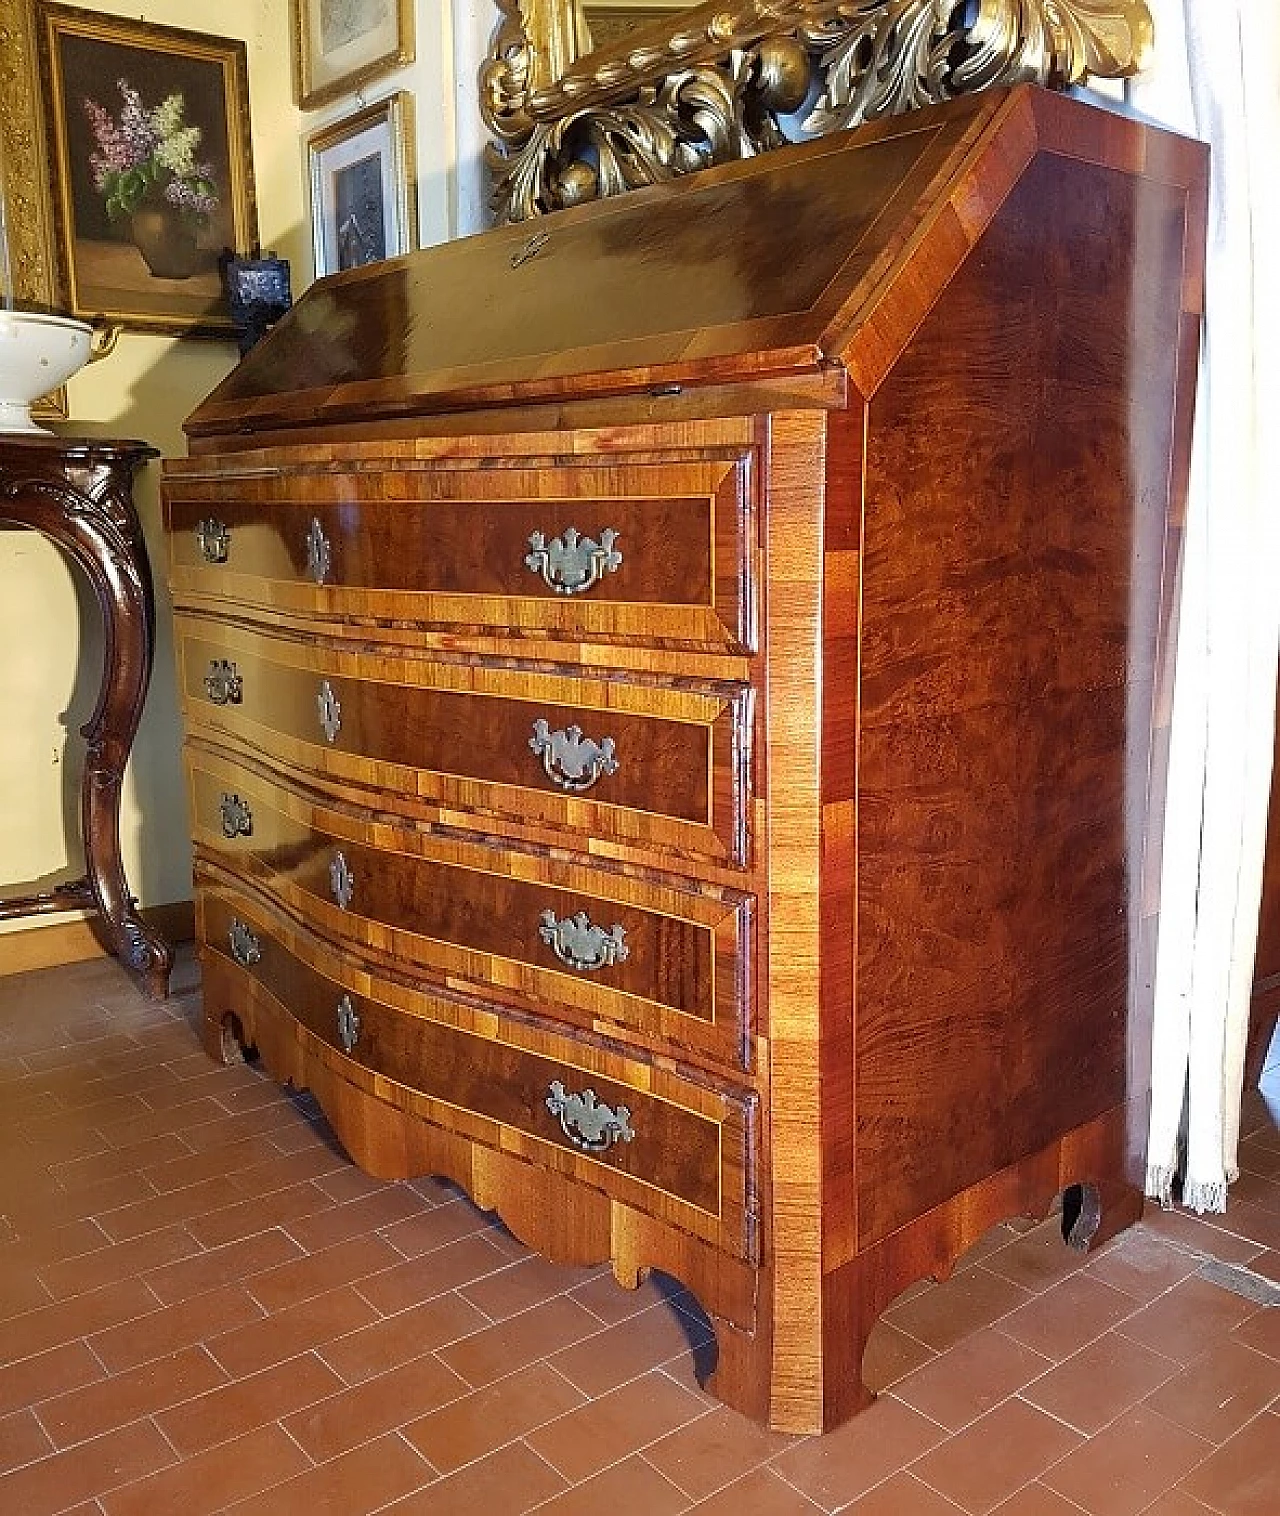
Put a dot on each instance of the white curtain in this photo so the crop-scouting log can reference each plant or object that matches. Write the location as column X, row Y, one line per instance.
column 1217, row 77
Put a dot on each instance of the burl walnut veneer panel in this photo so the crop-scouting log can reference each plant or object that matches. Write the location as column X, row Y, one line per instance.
column 992, row 852
column 841, row 491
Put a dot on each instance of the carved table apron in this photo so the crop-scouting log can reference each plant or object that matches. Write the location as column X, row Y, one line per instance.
column 79, row 495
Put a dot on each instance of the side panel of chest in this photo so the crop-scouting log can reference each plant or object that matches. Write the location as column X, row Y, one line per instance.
column 1015, row 540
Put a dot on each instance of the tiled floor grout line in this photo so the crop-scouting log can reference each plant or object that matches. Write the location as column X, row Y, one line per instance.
column 564, row 1378
column 919, row 1342
column 817, row 1505
column 1243, row 1427
column 1075, row 1505
column 862, row 1494
column 1086, row 1437
column 603, row 1469
column 312, row 1462
column 667, row 1369
column 35, row 1416
column 638, row 1450
column 164, row 1436
column 97, row 1358
column 693, row 1500
column 546, row 1463
column 1214, row 1447
column 435, row 1475
column 1006, row 1495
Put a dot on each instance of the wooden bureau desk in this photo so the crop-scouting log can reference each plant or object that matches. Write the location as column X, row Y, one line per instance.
column 669, row 696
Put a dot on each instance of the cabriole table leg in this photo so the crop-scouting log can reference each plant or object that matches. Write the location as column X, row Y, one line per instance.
column 80, row 496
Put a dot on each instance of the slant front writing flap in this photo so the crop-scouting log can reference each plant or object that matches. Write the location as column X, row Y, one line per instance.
column 735, row 272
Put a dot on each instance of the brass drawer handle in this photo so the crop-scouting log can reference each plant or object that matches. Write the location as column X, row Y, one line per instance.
column 348, row 1023
column 237, row 818
column 586, row 1122
column 245, row 947
column 573, row 564
column 572, row 761
column 341, row 881
column 223, row 684
column 580, row 945
column 319, row 552
column 214, row 540
column 330, row 709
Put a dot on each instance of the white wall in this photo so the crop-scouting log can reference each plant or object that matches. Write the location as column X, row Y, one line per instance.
column 50, row 654
column 426, row 79
column 449, row 135
column 473, row 25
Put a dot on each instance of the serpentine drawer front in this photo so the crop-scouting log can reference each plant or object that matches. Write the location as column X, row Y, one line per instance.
column 659, row 1142
column 636, row 553
column 636, row 762
column 582, row 944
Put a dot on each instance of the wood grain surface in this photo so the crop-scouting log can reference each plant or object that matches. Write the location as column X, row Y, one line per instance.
column 607, row 303
column 449, row 548
column 689, row 1161
column 471, row 912
column 462, row 732
column 1011, row 597
column 895, row 432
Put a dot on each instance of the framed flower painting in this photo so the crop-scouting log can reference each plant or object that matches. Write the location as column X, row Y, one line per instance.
column 147, row 138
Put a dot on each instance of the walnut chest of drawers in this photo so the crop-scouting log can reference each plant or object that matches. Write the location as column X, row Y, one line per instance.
column 673, row 702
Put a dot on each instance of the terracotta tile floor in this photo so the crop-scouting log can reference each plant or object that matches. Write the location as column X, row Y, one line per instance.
column 204, row 1307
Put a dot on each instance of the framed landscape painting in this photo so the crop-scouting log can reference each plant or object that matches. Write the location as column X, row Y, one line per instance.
column 340, row 45
column 151, row 176
column 362, row 199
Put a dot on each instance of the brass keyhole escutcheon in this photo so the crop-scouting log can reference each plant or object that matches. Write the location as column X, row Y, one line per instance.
column 530, row 249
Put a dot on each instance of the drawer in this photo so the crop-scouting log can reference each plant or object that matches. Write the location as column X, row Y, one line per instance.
column 661, row 1142
column 636, row 959
column 646, row 553
column 600, row 757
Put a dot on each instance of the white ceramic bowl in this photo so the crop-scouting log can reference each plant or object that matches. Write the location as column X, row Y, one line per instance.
column 37, row 354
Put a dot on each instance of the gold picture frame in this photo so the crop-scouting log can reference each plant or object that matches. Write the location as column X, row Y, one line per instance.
column 362, row 184
column 28, row 261
column 610, row 24
column 339, row 46
column 728, row 79
column 150, row 169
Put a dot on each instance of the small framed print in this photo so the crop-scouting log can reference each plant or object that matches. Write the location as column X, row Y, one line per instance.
column 340, row 45
column 362, row 187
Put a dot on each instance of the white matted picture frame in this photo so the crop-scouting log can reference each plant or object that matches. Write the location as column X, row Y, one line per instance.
column 361, row 173
column 341, row 45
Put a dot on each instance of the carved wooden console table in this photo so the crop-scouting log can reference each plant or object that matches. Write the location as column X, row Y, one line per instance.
column 79, row 495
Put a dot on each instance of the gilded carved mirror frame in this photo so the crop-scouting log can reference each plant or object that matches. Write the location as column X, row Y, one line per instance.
column 26, row 210
column 715, row 83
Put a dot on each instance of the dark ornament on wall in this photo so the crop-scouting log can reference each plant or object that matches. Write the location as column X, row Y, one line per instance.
column 258, row 294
